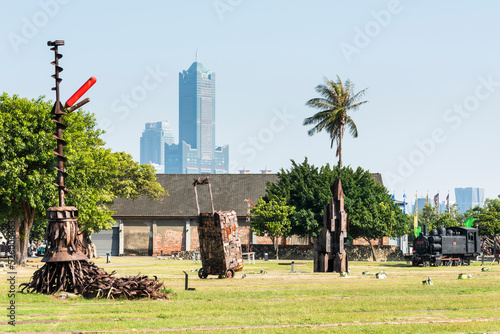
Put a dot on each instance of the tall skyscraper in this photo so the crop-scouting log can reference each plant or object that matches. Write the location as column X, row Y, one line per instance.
column 154, row 138
column 196, row 151
column 467, row 198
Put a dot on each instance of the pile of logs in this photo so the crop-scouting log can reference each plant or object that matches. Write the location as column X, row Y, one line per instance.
column 87, row 279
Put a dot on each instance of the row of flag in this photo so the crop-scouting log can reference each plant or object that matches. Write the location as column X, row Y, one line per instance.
column 417, row 229
column 436, row 202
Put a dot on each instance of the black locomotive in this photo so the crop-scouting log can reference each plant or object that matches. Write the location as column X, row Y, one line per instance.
column 451, row 246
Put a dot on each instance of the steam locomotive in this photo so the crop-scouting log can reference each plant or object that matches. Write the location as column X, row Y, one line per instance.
column 453, row 246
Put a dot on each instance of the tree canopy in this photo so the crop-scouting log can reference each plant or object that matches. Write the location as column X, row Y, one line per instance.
column 488, row 217
column 308, row 189
column 95, row 174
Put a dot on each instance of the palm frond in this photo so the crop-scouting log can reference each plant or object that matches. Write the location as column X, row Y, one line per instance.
column 353, row 130
column 336, row 99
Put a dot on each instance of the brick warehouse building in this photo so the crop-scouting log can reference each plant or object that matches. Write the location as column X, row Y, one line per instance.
column 145, row 227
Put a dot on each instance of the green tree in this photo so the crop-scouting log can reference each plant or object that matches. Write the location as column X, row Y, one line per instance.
column 307, row 188
column 488, row 217
column 95, row 174
column 447, row 219
column 428, row 216
column 335, row 104
column 272, row 219
column 371, row 210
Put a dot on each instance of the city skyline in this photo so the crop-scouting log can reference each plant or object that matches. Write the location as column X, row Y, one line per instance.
column 196, row 151
column 431, row 71
column 153, row 140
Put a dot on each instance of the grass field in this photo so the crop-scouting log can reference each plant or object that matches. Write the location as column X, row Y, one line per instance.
column 274, row 301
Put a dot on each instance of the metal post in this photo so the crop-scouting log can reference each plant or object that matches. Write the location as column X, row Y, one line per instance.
column 292, row 267
column 108, row 257
column 186, row 282
column 196, row 195
column 211, row 197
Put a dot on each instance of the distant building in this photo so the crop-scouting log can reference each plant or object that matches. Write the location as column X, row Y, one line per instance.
column 196, row 152
column 467, row 198
column 154, row 138
column 420, row 203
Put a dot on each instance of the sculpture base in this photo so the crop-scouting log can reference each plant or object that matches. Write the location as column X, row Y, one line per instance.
column 63, row 235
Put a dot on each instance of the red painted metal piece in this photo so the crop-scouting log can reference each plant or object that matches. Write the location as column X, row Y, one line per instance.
column 85, row 87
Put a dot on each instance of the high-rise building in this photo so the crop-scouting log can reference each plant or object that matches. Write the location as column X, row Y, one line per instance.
column 154, row 138
column 467, row 198
column 196, row 152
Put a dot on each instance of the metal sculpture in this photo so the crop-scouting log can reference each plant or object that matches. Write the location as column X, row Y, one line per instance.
column 62, row 230
column 329, row 252
column 66, row 267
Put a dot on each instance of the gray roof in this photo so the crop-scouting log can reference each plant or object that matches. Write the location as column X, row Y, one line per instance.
column 378, row 178
column 229, row 193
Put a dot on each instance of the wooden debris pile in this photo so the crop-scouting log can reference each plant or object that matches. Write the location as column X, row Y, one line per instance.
column 87, row 279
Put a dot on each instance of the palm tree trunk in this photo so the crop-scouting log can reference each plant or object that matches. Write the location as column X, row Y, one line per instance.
column 341, row 135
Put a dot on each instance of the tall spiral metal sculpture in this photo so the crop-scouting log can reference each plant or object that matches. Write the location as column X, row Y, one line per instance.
column 67, row 267
column 62, row 230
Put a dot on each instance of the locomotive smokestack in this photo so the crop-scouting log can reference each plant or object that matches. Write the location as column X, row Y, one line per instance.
column 425, row 229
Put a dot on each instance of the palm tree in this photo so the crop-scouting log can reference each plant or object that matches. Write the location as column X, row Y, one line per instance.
column 335, row 101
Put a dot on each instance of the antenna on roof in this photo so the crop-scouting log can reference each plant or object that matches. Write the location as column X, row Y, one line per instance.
column 197, row 58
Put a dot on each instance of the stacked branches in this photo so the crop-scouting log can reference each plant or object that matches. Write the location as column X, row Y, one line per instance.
column 87, row 279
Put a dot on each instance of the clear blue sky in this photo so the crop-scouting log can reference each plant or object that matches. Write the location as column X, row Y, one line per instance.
column 431, row 68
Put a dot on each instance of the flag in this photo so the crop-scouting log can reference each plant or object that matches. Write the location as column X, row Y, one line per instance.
column 415, row 218
column 436, row 202
column 404, row 204
column 448, row 203
column 469, row 222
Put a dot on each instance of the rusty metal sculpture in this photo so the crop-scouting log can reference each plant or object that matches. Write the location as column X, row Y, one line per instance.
column 66, row 267
column 220, row 245
column 329, row 252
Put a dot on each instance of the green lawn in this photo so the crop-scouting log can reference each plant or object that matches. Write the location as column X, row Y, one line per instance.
column 272, row 299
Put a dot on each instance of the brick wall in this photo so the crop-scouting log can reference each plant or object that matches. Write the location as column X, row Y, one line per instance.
column 375, row 242
column 168, row 242
column 244, row 233
column 268, row 241
column 195, row 240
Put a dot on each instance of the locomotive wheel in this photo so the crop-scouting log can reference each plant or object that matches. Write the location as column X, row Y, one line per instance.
column 202, row 274
column 449, row 263
column 230, row 273
column 467, row 262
